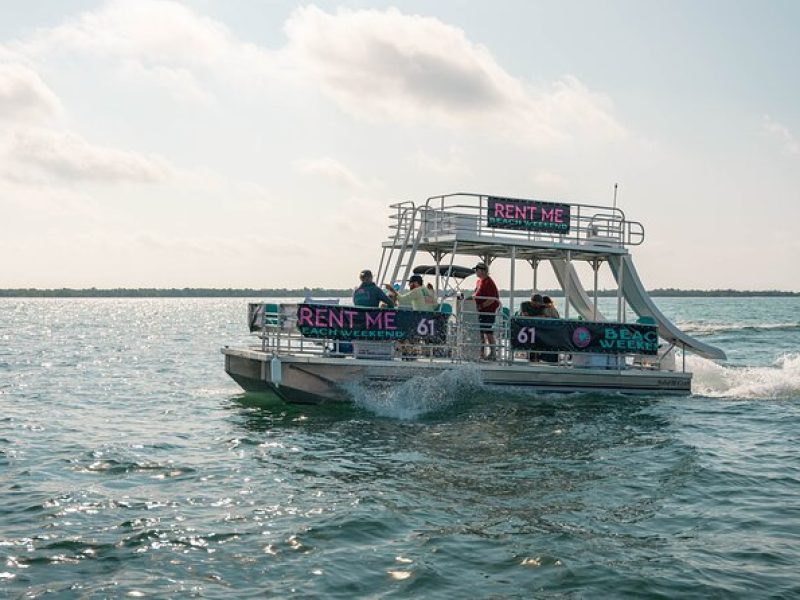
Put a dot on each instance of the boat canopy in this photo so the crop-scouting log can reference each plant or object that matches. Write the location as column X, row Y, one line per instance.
column 444, row 271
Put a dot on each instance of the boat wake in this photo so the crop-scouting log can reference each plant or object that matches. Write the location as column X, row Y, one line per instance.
column 779, row 381
column 702, row 328
column 417, row 396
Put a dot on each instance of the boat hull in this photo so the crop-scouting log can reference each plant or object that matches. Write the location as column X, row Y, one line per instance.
column 313, row 379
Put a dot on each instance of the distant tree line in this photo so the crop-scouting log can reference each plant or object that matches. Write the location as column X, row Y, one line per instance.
column 320, row 293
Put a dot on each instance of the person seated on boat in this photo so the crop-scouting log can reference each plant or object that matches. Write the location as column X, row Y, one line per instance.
column 550, row 310
column 487, row 301
column 369, row 295
column 535, row 307
column 418, row 297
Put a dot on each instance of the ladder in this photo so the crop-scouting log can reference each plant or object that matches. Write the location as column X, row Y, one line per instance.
column 406, row 240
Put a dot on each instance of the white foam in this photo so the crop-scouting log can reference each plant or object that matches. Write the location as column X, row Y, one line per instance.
column 419, row 395
column 782, row 380
column 704, row 328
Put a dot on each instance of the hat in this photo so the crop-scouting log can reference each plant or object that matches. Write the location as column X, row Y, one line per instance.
column 365, row 273
column 482, row 266
column 415, row 279
column 537, row 298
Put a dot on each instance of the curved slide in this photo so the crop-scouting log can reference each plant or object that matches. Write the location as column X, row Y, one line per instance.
column 639, row 300
column 578, row 297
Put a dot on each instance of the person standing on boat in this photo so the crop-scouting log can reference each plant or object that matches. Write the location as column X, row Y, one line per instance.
column 418, row 297
column 487, row 301
column 369, row 295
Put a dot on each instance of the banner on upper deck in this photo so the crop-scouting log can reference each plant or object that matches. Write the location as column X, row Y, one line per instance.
column 527, row 215
column 559, row 335
column 352, row 323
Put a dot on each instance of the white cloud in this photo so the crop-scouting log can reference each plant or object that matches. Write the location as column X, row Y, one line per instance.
column 332, row 170
column 165, row 40
column 70, row 157
column 179, row 82
column 450, row 162
column 548, row 181
column 782, row 134
column 24, row 96
column 384, row 64
column 151, row 29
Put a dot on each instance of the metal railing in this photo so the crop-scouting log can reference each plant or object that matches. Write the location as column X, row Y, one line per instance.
column 467, row 213
column 279, row 336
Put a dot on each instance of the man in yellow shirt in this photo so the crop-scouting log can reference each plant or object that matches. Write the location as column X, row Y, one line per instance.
column 418, row 297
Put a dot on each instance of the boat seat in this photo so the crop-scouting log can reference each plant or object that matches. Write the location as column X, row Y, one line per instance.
column 271, row 314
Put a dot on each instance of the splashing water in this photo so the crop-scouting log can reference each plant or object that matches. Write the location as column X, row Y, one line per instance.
column 710, row 328
column 417, row 396
column 779, row 381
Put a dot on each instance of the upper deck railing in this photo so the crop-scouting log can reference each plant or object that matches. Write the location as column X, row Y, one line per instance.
column 485, row 216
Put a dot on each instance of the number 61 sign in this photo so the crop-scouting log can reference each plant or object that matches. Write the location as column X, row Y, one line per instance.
column 526, row 335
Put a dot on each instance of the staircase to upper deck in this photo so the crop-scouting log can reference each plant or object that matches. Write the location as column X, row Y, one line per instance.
column 399, row 255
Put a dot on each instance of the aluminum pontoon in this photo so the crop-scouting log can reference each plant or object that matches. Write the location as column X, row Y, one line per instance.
column 313, row 352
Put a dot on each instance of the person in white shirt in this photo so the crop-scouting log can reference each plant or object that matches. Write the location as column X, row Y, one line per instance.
column 418, row 297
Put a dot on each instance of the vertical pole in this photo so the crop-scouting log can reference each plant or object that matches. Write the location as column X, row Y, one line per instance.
column 619, row 287
column 595, row 266
column 438, row 257
column 566, row 285
column 513, row 273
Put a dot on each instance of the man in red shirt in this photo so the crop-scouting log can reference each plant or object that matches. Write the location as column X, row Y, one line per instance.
column 487, row 301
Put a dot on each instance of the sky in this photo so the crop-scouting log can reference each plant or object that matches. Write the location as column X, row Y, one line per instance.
column 199, row 143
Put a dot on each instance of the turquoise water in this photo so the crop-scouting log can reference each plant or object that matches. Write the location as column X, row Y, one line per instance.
column 130, row 465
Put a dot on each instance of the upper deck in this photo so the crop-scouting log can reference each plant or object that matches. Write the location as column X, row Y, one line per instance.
column 482, row 224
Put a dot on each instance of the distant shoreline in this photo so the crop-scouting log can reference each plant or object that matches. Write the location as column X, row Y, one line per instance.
column 333, row 293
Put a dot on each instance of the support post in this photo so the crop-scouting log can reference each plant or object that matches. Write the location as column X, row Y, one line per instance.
column 513, row 273
column 566, row 285
column 595, row 267
column 619, row 288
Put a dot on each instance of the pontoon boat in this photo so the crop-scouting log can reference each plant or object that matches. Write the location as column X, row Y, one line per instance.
column 312, row 352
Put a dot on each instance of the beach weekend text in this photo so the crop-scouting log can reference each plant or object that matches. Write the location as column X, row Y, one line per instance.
column 528, row 215
column 354, row 323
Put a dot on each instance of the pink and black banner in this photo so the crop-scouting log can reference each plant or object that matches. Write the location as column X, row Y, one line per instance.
column 357, row 324
column 527, row 215
column 559, row 335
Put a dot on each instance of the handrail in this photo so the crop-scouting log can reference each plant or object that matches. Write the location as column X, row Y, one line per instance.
column 280, row 337
column 463, row 212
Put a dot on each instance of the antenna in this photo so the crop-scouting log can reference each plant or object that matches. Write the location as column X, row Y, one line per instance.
column 615, row 196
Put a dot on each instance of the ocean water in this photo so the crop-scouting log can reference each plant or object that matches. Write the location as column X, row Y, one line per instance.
column 131, row 466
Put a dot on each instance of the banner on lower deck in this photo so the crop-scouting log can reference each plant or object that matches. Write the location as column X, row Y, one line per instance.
column 559, row 335
column 372, row 324
column 527, row 215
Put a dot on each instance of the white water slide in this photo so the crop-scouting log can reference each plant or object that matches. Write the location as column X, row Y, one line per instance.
column 637, row 298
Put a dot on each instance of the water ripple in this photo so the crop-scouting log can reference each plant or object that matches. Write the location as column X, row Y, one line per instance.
column 130, row 466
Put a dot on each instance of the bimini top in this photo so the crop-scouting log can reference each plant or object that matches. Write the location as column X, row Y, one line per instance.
column 444, row 271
